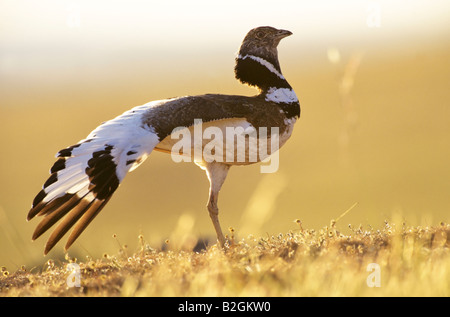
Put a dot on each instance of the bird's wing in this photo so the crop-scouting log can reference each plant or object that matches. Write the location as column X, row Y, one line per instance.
column 85, row 175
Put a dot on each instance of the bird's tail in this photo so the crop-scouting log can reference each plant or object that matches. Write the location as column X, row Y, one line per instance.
column 85, row 175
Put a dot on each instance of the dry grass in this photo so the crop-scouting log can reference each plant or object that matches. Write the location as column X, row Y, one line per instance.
column 413, row 261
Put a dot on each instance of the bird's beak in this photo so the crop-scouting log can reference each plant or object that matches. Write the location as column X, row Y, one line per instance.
column 283, row 33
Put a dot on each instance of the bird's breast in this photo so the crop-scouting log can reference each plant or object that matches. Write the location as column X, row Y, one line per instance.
column 231, row 141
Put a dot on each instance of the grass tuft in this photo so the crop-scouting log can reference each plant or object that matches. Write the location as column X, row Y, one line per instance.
column 396, row 260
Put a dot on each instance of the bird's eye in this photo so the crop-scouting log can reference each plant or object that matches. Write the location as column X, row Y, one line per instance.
column 260, row 34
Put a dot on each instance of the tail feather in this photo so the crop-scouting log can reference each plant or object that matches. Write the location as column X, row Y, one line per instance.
column 66, row 223
column 54, row 214
column 85, row 220
column 85, row 176
column 43, row 208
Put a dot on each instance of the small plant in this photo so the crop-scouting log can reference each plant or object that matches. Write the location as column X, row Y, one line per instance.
column 396, row 260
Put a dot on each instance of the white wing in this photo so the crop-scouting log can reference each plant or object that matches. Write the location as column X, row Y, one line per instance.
column 86, row 174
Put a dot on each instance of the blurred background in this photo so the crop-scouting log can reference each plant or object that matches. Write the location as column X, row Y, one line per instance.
column 373, row 80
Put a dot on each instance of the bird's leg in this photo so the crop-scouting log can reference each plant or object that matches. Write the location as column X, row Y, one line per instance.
column 216, row 172
column 214, row 214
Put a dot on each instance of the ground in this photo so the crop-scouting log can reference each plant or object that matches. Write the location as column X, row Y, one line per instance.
column 396, row 260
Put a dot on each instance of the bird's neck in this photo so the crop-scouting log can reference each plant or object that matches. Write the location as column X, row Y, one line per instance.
column 267, row 77
column 259, row 72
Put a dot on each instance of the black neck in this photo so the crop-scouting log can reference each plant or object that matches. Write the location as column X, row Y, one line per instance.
column 259, row 72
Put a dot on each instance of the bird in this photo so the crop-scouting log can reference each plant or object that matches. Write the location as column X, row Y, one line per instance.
column 86, row 174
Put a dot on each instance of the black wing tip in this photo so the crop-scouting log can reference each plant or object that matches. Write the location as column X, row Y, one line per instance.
column 76, row 211
column 59, row 165
column 30, row 215
column 34, row 211
column 39, row 197
column 52, row 179
column 43, row 208
column 67, row 152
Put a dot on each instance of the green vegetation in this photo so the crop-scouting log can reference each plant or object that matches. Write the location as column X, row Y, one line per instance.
column 411, row 261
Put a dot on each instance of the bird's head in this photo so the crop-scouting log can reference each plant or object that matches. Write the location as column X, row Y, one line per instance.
column 262, row 42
